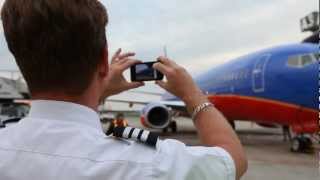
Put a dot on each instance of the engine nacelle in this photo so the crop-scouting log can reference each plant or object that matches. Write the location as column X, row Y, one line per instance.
column 155, row 115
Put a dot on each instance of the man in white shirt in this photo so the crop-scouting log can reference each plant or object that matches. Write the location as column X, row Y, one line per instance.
column 61, row 49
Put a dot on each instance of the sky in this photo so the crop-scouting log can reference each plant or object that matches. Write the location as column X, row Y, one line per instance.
column 204, row 33
column 198, row 34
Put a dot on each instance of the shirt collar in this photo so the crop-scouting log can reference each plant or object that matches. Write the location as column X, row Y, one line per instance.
column 65, row 111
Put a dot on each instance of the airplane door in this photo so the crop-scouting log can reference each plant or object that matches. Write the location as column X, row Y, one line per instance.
column 258, row 73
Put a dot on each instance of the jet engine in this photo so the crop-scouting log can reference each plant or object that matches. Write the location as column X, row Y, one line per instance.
column 155, row 115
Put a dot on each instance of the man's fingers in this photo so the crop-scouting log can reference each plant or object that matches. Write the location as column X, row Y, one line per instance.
column 118, row 57
column 125, row 58
column 161, row 67
column 164, row 60
column 167, row 62
column 128, row 63
column 162, row 84
column 115, row 56
column 126, row 55
column 133, row 85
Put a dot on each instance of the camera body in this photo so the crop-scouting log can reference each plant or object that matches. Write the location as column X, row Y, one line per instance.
column 145, row 72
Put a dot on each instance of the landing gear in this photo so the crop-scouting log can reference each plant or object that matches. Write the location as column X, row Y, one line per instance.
column 286, row 133
column 301, row 143
column 173, row 126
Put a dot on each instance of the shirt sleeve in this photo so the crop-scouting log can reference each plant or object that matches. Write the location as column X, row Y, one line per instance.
column 175, row 160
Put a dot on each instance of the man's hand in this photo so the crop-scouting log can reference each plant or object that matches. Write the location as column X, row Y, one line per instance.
column 179, row 83
column 115, row 82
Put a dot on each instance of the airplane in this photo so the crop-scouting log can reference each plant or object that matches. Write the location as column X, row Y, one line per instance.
column 8, row 90
column 12, row 85
column 13, row 103
column 12, row 112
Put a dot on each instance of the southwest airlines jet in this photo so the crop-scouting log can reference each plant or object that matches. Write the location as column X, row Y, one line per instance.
column 272, row 87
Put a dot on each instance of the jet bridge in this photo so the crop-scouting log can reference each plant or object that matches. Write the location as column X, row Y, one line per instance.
column 311, row 23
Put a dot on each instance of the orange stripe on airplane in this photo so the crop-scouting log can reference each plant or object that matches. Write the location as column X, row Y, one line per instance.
column 260, row 110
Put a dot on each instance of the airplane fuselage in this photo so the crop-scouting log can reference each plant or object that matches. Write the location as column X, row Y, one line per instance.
column 273, row 86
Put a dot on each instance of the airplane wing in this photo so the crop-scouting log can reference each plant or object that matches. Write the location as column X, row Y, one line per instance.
column 174, row 105
column 168, row 103
column 125, row 101
column 143, row 98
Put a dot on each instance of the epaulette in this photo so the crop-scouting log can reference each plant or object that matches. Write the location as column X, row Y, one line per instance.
column 136, row 134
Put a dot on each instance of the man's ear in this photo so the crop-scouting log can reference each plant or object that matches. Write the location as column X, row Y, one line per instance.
column 104, row 65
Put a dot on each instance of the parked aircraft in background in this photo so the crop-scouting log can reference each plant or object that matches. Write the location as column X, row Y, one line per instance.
column 12, row 105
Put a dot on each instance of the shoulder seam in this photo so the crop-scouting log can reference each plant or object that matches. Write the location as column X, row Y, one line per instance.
column 68, row 157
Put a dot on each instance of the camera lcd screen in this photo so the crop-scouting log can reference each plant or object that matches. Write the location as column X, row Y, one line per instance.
column 145, row 72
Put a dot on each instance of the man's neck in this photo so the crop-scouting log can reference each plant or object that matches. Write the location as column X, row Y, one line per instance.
column 84, row 99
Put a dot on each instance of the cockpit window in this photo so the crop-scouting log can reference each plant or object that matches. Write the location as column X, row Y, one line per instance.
column 306, row 59
column 294, row 61
column 302, row 60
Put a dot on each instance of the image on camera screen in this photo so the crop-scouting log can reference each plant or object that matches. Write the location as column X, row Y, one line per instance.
column 144, row 72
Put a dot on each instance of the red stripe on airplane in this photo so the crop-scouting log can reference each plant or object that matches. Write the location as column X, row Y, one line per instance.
column 235, row 107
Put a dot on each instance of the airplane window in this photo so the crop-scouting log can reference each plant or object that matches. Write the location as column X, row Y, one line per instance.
column 294, row 61
column 317, row 56
column 302, row 60
column 306, row 60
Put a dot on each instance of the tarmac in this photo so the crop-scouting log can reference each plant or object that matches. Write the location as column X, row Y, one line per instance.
column 269, row 156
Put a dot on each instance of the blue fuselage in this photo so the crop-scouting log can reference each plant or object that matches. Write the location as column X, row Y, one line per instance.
column 283, row 73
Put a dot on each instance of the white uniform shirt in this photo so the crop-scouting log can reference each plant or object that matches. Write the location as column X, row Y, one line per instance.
column 65, row 141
